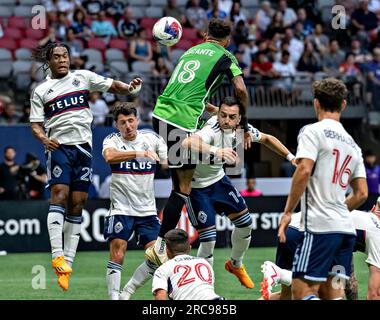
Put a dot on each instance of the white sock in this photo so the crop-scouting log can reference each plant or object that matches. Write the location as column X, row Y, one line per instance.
column 159, row 246
column 71, row 232
column 142, row 274
column 113, row 277
column 240, row 239
column 55, row 220
column 206, row 250
column 285, row 277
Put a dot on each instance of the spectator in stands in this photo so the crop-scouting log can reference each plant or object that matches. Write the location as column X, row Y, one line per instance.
column 333, row 58
column 76, row 46
column 243, row 66
column 363, row 21
column 295, row 46
column 351, row 75
column 8, row 175
column 276, row 26
column 160, row 69
column 299, row 32
column 26, row 113
column 289, row 15
column 196, row 17
column 171, row 10
column 319, row 39
column 114, row 9
column 127, row 27
column 240, row 33
column 373, row 85
column 310, row 60
column 80, row 27
column 251, row 190
column 237, row 14
column 68, row 7
column 373, row 172
column 92, row 7
column 287, row 71
column 306, row 22
column 226, row 5
column 61, row 26
column 77, row 61
column 103, row 28
column 33, row 176
column 50, row 37
column 9, row 115
column 215, row 12
column 362, row 56
column 99, row 109
column 264, row 16
column 140, row 49
column 262, row 66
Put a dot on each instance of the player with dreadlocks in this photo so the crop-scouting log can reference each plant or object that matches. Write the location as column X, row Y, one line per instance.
column 61, row 120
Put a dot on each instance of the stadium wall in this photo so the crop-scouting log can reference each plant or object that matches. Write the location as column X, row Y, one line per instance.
column 23, row 224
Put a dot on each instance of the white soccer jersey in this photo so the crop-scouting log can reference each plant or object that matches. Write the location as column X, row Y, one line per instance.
column 62, row 104
column 207, row 174
column 362, row 220
column 338, row 160
column 370, row 224
column 186, row 278
column 132, row 187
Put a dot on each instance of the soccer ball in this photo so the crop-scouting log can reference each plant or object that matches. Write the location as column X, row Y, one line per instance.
column 167, row 31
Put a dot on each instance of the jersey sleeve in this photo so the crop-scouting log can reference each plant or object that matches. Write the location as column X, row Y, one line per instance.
column 161, row 148
column 359, row 171
column 97, row 82
column 109, row 142
column 160, row 279
column 308, row 144
column 207, row 133
column 37, row 113
column 234, row 69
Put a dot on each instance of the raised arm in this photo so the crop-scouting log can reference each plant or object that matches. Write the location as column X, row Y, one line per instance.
column 119, row 87
column 112, row 155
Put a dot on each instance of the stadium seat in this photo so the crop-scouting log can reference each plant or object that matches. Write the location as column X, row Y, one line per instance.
column 93, row 55
column 183, row 44
column 158, row 3
column 115, row 55
column 6, row 12
column 96, row 43
column 325, row 3
column 181, row 3
column 147, row 22
column 28, row 43
column 13, row 33
column 30, row 2
column 189, row 34
column 176, row 54
column 36, row 34
column 138, row 3
column 40, row 74
column 119, row 44
column 120, row 68
column 17, row 22
column 8, row 2
column 9, row 44
column 94, row 66
column 23, row 11
column 154, row 12
column 138, row 66
column 249, row 3
column 5, row 63
column 23, row 54
column 21, row 72
column 149, row 34
column 138, row 12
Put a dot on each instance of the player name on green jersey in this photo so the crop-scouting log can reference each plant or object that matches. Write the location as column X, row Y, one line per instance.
column 197, row 76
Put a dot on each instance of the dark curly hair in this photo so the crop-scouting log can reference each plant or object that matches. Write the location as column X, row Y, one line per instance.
column 44, row 53
column 330, row 93
column 219, row 29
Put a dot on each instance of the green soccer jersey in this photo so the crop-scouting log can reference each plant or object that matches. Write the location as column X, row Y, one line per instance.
column 195, row 79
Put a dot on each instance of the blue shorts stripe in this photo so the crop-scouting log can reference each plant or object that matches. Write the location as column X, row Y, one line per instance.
column 190, row 212
column 308, row 252
column 302, row 257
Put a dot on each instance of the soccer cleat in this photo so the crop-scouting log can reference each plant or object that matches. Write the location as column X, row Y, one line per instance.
column 154, row 257
column 271, row 278
column 63, row 280
column 240, row 273
column 60, row 265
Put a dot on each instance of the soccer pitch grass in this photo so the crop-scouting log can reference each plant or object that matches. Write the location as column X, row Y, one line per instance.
column 88, row 278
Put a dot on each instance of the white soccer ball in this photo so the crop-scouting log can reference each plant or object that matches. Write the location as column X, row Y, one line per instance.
column 167, row 31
